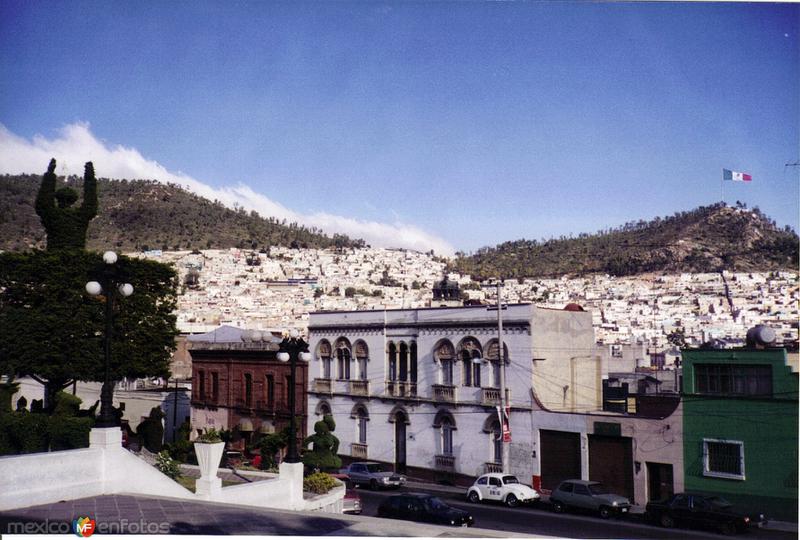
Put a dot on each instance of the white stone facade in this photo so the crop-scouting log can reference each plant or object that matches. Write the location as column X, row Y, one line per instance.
column 405, row 412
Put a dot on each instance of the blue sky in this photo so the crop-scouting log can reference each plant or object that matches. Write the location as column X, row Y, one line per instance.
column 424, row 124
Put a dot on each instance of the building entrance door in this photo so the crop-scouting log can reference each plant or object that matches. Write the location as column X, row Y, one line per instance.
column 400, row 442
column 659, row 481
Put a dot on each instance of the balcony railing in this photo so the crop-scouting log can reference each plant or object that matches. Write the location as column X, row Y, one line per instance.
column 445, row 462
column 444, row 393
column 358, row 450
column 401, row 389
column 490, row 396
column 323, row 386
column 359, row 388
column 493, row 467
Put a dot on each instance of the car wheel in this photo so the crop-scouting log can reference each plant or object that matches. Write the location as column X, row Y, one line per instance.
column 667, row 521
column 605, row 512
column 511, row 500
column 373, row 484
column 558, row 506
column 728, row 529
column 474, row 497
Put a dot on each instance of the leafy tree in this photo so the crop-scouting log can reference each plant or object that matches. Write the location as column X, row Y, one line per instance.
column 52, row 330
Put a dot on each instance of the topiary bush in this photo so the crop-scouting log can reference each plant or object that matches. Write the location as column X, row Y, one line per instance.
column 325, row 446
column 151, row 431
column 67, row 405
column 319, row 483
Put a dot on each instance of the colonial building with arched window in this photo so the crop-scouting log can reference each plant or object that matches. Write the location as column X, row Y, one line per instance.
column 424, row 388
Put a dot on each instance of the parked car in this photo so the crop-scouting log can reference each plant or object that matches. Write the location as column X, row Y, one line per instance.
column 501, row 487
column 351, row 504
column 588, row 495
column 702, row 511
column 424, row 508
column 373, row 475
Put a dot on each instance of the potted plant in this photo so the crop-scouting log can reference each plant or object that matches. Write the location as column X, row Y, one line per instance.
column 208, row 446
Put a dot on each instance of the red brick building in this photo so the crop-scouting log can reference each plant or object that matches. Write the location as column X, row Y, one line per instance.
column 238, row 384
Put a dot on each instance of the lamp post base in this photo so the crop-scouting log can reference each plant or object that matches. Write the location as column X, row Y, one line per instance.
column 105, row 437
column 292, row 474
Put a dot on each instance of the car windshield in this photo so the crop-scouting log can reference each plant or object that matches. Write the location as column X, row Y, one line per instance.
column 718, row 502
column 374, row 467
column 598, row 489
column 510, row 480
column 435, row 503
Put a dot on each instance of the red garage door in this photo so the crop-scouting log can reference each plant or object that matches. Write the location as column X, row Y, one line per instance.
column 611, row 462
column 560, row 457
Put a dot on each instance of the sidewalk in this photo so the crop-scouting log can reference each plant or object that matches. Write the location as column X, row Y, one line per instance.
column 637, row 511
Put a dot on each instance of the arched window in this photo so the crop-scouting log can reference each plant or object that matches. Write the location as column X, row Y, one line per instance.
column 324, row 355
column 403, row 362
column 469, row 349
column 362, row 355
column 392, row 362
column 323, row 408
column 362, row 417
column 445, row 355
column 444, row 423
column 494, row 360
column 343, row 356
column 447, row 437
column 413, row 367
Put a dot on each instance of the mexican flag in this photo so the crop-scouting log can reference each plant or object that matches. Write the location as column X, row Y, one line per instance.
column 735, row 176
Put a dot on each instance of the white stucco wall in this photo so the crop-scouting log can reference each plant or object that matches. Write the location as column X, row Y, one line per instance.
column 107, row 468
column 561, row 334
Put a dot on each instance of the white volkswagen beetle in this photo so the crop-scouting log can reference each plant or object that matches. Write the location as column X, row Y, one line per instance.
column 501, row 487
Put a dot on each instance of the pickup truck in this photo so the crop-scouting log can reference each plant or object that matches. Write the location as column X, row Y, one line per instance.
column 372, row 475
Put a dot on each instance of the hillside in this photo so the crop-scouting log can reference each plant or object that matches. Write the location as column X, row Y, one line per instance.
column 141, row 214
column 707, row 239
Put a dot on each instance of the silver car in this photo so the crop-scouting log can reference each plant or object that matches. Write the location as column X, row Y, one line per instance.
column 589, row 496
column 373, row 475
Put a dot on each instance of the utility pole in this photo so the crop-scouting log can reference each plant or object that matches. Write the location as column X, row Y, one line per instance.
column 505, row 417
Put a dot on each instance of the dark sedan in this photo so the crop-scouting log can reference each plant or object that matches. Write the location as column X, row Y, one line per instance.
column 424, row 508
column 701, row 511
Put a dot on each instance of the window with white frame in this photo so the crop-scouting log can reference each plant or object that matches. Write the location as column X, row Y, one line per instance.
column 325, row 358
column 445, row 355
column 447, row 437
column 343, row 356
column 361, row 424
column 723, row 459
column 362, row 354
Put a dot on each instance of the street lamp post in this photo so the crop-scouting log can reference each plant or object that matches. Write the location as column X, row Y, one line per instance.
column 108, row 286
column 293, row 348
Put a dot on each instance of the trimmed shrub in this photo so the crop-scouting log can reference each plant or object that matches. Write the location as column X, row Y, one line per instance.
column 151, row 431
column 68, row 433
column 67, row 405
column 319, row 483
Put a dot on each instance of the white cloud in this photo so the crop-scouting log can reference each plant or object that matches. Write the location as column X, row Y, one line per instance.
column 75, row 144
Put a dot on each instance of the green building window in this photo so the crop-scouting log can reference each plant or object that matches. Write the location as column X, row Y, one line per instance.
column 724, row 459
column 731, row 379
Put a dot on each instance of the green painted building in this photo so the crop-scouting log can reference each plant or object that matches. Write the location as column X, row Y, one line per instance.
column 740, row 428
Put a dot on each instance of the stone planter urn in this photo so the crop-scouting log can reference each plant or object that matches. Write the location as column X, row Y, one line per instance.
column 209, row 455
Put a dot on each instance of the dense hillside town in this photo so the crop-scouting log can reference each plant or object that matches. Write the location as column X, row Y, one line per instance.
column 279, row 288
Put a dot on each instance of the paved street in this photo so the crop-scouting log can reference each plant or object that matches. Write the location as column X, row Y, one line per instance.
column 539, row 520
